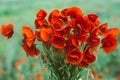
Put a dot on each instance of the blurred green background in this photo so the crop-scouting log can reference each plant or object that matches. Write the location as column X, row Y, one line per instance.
column 15, row 65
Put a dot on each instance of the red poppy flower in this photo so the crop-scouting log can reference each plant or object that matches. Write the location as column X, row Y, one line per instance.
column 74, row 41
column 54, row 15
column 74, row 57
column 84, row 24
column 56, row 19
column 113, row 31
column 93, row 18
column 31, row 51
column 93, row 41
column 94, row 31
column 103, row 29
column 63, row 31
column 41, row 14
column 28, row 35
column 109, row 43
column 45, row 34
column 73, row 12
column 7, row 30
column 81, row 36
column 58, row 42
column 71, row 44
column 89, row 55
column 88, row 58
column 40, row 23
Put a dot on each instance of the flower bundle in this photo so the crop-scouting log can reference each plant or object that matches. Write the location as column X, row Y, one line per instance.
column 68, row 40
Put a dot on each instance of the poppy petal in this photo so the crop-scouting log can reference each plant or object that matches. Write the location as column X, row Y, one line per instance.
column 7, row 30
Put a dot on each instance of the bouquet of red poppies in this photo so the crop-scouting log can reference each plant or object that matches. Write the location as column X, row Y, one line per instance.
column 66, row 40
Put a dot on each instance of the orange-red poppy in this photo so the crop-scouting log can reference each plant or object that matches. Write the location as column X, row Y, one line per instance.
column 63, row 31
column 103, row 29
column 31, row 51
column 89, row 55
column 58, row 42
column 28, row 35
column 109, row 43
column 41, row 14
column 7, row 30
column 56, row 19
column 74, row 57
column 54, row 15
column 71, row 44
column 113, row 31
column 100, row 76
column 45, row 34
column 84, row 24
column 73, row 12
column 74, row 41
column 88, row 58
column 81, row 36
column 40, row 23
column 38, row 76
column 44, row 70
column 93, row 41
column 93, row 18
column 94, row 31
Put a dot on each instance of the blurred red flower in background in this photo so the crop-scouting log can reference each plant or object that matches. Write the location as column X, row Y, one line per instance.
column 7, row 30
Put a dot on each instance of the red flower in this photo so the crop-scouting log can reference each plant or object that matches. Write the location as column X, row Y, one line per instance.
column 56, row 19
column 109, row 43
column 74, row 57
column 94, row 31
column 84, row 24
column 93, row 18
column 31, row 51
column 28, row 35
column 88, row 58
column 103, row 29
column 7, row 30
column 58, row 42
column 74, row 41
column 45, row 34
column 41, row 14
column 40, row 23
column 71, row 44
column 81, row 36
column 63, row 31
column 113, row 31
column 93, row 41
column 73, row 12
